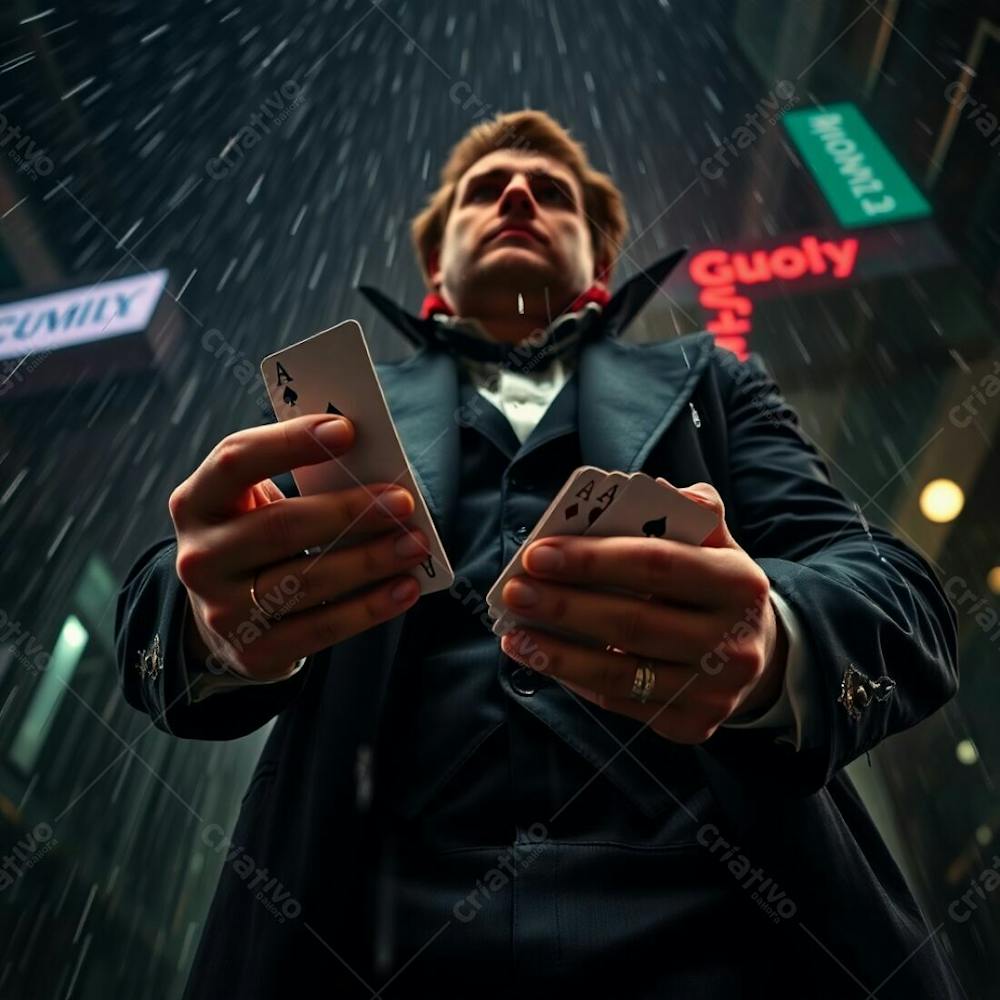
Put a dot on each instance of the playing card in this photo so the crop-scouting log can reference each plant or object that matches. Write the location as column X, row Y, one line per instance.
column 332, row 372
column 654, row 509
column 642, row 507
column 608, row 492
column 587, row 493
column 588, row 498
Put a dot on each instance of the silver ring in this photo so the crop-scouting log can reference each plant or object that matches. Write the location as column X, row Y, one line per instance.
column 256, row 603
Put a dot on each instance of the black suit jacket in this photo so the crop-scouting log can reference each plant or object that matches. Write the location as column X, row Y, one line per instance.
column 864, row 599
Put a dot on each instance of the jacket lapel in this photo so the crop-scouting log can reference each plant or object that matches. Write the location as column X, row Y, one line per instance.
column 630, row 393
column 422, row 393
column 628, row 396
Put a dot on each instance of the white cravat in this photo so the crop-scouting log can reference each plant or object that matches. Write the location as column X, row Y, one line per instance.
column 521, row 398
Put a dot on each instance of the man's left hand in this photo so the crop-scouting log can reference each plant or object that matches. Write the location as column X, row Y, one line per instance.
column 701, row 616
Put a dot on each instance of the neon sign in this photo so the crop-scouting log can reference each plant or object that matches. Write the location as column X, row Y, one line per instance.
column 79, row 315
column 717, row 274
column 860, row 178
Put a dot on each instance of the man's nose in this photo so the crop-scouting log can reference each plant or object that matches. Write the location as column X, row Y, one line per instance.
column 517, row 195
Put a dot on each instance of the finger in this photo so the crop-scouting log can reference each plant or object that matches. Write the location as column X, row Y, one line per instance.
column 644, row 628
column 299, row 584
column 218, row 486
column 297, row 635
column 706, row 495
column 667, row 569
column 284, row 529
column 601, row 672
column 266, row 492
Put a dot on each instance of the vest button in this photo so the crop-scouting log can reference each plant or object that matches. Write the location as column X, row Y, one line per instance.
column 525, row 681
column 521, row 533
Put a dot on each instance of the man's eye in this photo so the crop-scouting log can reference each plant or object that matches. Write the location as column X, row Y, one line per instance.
column 554, row 194
column 483, row 192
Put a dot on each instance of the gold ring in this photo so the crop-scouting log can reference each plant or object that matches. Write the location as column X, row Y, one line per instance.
column 256, row 603
column 643, row 682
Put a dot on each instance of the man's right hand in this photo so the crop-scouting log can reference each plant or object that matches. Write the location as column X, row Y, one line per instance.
column 233, row 525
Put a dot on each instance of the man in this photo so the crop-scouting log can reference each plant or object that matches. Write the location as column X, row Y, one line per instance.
column 441, row 816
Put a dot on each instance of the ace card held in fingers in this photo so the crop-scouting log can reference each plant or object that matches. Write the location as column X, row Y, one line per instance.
column 332, row 372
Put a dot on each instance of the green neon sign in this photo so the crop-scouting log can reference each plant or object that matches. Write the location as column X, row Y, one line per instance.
column 860, row 178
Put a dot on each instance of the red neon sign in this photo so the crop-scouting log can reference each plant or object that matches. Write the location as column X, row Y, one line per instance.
column 718, row 272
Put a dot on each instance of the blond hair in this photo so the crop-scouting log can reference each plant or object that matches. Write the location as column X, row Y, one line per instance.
column 530, row 131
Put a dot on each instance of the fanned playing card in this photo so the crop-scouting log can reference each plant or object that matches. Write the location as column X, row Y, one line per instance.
column 584, row 500
column 651, row 509
column 579, row 503
column 636, row 506
column 332, row 372
column 609, row 491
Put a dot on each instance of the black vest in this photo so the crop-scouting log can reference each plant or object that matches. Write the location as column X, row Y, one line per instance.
column 514, row 824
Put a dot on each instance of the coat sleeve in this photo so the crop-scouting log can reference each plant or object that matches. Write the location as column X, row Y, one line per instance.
column 150, row 614
column 204, row 685
column 875, row 618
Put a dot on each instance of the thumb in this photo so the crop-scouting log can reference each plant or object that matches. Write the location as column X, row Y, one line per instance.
column 707, row 495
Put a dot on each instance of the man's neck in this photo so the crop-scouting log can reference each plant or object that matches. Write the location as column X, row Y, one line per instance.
column 511, row 329
column 513, row 321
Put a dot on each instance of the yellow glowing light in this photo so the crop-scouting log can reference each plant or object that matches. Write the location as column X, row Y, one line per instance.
column 993, row 579
column 966, row 752
column 941, row 500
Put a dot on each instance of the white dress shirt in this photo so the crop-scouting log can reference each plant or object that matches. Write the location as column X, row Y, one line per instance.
column 523, row 397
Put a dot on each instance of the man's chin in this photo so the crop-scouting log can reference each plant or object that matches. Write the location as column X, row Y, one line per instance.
column 518, row 269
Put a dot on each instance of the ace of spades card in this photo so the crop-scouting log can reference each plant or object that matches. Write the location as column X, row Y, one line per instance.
column 651, row 509
column 332, row 372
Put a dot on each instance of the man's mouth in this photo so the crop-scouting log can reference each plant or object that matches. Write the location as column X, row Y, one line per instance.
column 514, row 232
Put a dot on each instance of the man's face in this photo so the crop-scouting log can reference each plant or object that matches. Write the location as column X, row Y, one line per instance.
column 516, row 226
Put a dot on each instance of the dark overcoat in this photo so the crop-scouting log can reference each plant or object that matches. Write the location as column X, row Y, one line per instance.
column 681, row 408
